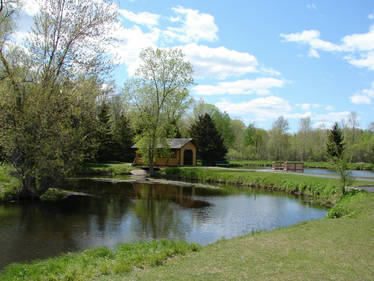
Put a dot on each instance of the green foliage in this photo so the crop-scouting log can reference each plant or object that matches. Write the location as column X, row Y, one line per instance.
column 49, row 89
column 209, row 141
column 100, row 262
column 334, row 145
column 352, row 205
column 159, row 96
column 53, row 195
column 9, row 185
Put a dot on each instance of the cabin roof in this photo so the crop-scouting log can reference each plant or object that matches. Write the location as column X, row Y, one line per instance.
column 175, row 143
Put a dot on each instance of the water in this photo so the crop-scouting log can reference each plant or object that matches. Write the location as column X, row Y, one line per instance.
column 316, row 171
column 125, row 212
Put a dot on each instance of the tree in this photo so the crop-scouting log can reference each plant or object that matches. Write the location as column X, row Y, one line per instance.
column 123, row 136
column 159, row 91
column 304, row 136
column 49, row 89
column 209, row 141
column 105, row 139
column 278, row 143
column 335, row 145
column 221, row 120
column 335, row 151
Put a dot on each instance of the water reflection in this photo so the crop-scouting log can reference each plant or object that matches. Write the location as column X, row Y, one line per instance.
column 124, row 212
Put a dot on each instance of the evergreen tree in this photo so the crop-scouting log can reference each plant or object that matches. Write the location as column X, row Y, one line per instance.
column 123, row 136
column 335, row 145
column 209, row 141
column 104, row 135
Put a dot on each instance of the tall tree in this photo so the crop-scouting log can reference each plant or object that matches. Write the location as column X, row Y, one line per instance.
column 304, row 137
column 159, row 91
column 48, row 92
column 278, row 143
column 335, row 151
column 209, row 141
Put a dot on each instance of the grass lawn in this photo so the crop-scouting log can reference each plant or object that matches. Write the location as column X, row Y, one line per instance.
column 107, row 169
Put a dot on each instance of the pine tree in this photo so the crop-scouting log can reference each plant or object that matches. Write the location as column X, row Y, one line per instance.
column 123, row 136
column 104, row 135
column 335, row 145
column 209, row 141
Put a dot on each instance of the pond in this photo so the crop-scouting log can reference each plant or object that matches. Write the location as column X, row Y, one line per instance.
column 126, row 212
column 358, row 174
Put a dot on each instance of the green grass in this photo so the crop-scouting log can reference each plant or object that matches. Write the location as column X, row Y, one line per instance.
column 96, row 263
column 111, row 169
column 323, row 165
column 9, row 185
column 324, row 191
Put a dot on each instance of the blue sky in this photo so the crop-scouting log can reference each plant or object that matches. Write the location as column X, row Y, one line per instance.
column 258, row 60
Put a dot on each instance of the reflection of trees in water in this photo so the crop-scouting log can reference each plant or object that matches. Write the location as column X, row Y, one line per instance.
column 38, row 230
column 158, row 211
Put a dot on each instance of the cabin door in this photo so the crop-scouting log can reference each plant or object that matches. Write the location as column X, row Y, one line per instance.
column 187, row 158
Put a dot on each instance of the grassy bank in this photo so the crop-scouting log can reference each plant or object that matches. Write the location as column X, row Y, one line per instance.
column 322, row 165
column 96, row 263
column 107, row 169
column 324, row 191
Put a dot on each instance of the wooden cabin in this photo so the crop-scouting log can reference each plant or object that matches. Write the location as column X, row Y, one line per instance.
column 183, row 153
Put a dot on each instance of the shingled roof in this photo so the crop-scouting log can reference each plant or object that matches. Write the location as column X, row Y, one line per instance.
column 173, row 143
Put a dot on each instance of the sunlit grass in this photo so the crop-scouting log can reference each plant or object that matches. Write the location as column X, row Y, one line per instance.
column 96, row 263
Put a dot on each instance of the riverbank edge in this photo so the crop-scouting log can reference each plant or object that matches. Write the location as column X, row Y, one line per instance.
column 347, row 207
column 319, row 191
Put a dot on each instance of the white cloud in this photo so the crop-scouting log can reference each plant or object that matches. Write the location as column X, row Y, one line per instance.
column 313, row 53
column 364, row 97
column 312, row 38
column 365, row 60
column 219, row 62
column 130, row 41
column 329, row 108
column 332, row 116
column 144, row 18
column 360, row 99
column 359, row 47
column 371, row 16
column 30, row 7
column 311, row 6
column 258, row 86
column 264, row 107
column 196, row 26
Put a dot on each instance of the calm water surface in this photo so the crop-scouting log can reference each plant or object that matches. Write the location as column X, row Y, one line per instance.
column 125, row 212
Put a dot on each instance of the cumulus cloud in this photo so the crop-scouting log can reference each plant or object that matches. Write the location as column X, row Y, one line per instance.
column 194, row 26
column 258, row 86
column 359, row 48
column 364, row 97
column 130, row 42
column 219, row 62
column 360, row 99
column 264, row 107
column 144, row 18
